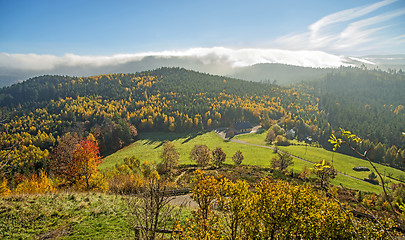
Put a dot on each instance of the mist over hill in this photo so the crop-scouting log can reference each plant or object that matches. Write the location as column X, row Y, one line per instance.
column 280, row 74
column 248, row 64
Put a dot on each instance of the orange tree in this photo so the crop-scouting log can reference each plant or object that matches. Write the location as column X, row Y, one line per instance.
column 86, row 161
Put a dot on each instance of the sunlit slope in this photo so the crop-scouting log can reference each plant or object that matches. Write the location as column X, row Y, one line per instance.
column 149, row 147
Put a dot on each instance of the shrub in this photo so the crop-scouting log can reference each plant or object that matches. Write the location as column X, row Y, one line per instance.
column 305, row 173
column 277, row 129
column 125, row 184
column 270, row 136
column 35, row 184
column 276, row 210
column 4, row 190
column 201, row 154
column 218, row 157
column 372, row 178
column 170, row 157
column 238, row 157
column 282, row 162
column 282, row 141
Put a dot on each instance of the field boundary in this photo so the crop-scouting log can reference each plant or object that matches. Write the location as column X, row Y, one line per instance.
column 222, row 135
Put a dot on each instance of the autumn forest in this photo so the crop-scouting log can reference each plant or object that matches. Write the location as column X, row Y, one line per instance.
column 56, row 130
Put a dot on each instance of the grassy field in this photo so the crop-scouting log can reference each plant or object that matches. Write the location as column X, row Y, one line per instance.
column 255, row 138
column 149, row 147
column 313, row 154
column 66, row 215
column 258, row 138
column 341, row 162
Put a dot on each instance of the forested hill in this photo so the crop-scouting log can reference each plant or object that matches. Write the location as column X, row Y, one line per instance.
column 282, row 74
column 167, row 99
column 368, row 102
column 114, row 107
column 374, row 87
column 120, row 86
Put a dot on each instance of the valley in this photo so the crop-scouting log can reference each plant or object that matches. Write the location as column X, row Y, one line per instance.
column 112, row 137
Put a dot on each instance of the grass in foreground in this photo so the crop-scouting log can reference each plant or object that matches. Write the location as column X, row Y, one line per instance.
column 66, row 215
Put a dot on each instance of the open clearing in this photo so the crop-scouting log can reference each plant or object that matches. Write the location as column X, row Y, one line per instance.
column 149, row 147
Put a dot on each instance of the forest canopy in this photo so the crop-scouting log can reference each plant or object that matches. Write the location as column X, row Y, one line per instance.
column 115, row 107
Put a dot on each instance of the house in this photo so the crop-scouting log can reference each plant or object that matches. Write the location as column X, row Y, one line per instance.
column 291, row 134
column 241, row 127
column 308, row 140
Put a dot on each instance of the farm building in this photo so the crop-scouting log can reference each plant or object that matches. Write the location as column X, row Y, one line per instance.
column 241, row 127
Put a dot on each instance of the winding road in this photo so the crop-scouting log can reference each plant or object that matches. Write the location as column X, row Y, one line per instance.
column 188, row 201
column 222, row 134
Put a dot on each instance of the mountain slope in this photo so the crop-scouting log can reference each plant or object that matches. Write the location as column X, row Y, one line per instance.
column 370, row 103
column 279, row 73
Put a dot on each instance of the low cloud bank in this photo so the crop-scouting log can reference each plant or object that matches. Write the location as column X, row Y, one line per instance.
column 221, row 55
column 216, row 60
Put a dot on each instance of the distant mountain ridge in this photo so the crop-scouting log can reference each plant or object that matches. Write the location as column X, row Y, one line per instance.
column 282, row 66
column 280, row 74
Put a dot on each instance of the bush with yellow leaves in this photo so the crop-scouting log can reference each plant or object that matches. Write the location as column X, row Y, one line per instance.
column 4, row 190
column 276, row 209
column 126, row 183
column 35, row 184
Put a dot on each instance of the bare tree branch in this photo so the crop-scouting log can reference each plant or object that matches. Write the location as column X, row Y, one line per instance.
column 151, row 210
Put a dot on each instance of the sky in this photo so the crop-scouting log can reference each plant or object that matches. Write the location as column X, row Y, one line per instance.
column 70, row 32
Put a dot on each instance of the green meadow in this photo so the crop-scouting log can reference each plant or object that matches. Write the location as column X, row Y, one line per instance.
column 343, row 163
column 64, row 215
column 148, row 147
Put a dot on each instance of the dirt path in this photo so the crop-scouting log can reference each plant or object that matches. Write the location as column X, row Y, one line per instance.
column 181, row 175
column 184, row 200
column 222, row 135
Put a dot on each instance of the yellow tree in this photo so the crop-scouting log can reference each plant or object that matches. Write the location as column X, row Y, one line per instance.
column 325, row 171
column 204, row 223
column 236, row 203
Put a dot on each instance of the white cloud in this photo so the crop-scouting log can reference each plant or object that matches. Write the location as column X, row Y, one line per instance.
column 345, row 15
column 357, row 31
column 215, row 55
column 362, row 60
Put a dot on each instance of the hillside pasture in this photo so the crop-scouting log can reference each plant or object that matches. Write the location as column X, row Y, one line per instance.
column 149, row 147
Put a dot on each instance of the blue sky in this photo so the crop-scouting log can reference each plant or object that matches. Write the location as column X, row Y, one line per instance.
column 104, row 28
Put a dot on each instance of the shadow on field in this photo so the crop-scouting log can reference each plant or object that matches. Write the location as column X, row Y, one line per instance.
column 152, row 138
column 194, row 135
